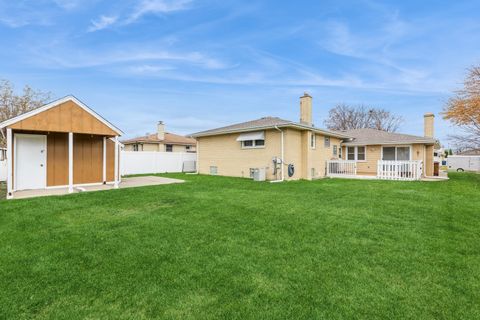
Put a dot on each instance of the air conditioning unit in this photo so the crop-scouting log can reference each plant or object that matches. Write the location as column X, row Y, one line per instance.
column 259, row 174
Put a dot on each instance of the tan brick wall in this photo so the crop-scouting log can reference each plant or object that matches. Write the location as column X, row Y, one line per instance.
column 321, row 154
column 293, row 152
column 429, row 160
column 227, row 155
column 428, row 126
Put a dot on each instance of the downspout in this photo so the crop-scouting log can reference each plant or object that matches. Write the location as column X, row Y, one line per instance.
column 282, row 156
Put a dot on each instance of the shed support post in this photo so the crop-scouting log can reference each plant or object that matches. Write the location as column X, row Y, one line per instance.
column 116, row 163
column 70, row 162
column 104, row 160
column 9, row 164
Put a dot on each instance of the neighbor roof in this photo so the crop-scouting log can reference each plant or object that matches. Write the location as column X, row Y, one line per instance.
column 373, row 136
column 471, row 152
column 54, row 104
column 265, row 123
column 170, row 138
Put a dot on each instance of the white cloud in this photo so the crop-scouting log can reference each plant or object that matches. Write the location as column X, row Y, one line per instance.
column 67, row 4
column 157, row 7
column 102, row 23
column 134, row 57
column 149, row 69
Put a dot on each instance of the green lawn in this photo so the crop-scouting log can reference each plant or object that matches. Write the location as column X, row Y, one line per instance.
column 230, row 248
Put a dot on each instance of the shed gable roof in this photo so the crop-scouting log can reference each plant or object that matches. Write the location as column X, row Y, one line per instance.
column 33, row 120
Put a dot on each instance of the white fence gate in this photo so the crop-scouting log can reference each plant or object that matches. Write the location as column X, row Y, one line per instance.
column 399, row 170
column 141, row 162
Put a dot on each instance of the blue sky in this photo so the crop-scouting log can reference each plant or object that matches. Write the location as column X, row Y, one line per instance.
column 203, row 64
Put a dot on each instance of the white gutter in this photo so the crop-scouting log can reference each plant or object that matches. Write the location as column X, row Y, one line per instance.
column 283, row 156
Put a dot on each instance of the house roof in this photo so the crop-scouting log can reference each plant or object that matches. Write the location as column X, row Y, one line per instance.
column 170, row 138
column 472, row 152
column 368, row 136
column 265, row 123
column 55, row 103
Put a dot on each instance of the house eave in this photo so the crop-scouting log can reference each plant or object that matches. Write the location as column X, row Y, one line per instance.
column 285, row 125
column 382, row 143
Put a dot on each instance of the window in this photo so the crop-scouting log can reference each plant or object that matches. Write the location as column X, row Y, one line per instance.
column 361, row 153
column 249, row 140
column 335, row 150
column 340, row 152
column 169, row 147
column 213, row 170
column 388, row 153
column 259, row 143
column 357, row 153
column 135, row 147
column 313, row 141
column 403, row 153
column 253, row 144
column 350, row 153
column 327, row 142
column 396, row 153
column 187, row 147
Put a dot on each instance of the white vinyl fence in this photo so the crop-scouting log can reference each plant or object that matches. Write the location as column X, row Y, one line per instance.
column 3, row 170
column 336, row 168
column 399, row 170
column 140, row 162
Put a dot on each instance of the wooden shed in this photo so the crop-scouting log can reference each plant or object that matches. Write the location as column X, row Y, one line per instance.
column 63, row 144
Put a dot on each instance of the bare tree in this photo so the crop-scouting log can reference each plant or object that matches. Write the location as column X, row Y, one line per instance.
column 345, row 117
column 463, row 110
column 12, row 104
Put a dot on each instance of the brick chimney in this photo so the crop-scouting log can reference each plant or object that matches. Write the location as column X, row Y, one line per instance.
column 161, row 130
column 306, row 109
column 428, row 129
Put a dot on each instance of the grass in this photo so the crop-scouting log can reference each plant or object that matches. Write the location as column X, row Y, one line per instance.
column 229, row 248
column 3, row 190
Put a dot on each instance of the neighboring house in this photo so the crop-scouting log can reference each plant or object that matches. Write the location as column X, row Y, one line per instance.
column 161, row 142
column 471, row 152
column 299, row 150
column 61, row 144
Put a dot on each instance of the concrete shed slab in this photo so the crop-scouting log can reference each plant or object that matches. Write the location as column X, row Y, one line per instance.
column 125, row 183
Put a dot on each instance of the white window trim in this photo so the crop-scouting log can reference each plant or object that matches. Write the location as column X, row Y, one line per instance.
column 396, row 146
column 355, row 153
column 254, row 146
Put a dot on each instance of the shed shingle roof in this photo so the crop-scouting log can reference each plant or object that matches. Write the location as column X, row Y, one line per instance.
column 373, row 136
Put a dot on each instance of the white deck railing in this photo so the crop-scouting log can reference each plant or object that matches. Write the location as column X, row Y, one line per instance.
column 341, row 168
column 399, row 170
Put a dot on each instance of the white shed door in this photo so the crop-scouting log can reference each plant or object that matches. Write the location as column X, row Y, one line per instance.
column 30, row 161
